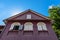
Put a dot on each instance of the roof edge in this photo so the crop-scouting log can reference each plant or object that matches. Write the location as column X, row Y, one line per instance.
column 5, row 20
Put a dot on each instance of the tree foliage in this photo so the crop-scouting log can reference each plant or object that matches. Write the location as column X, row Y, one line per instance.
column 55, row 15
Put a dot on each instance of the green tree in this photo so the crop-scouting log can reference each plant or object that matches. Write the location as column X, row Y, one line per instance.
column 54, row 12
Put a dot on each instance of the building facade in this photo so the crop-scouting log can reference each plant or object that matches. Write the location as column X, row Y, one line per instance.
column 28, row 25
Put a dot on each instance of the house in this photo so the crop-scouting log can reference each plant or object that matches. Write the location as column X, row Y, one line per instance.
column 28, row 25
column 1, row 28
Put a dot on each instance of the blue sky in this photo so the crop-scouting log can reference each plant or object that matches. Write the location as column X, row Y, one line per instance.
column 11, row 7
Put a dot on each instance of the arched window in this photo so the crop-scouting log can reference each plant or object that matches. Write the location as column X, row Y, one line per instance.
column 41, row 26
column 28, row 26
column 15, row 26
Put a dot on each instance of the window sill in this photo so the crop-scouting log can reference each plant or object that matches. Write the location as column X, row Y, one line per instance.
column 13, row 30
column 28, row 33
column 28, row 30
column 43, row 30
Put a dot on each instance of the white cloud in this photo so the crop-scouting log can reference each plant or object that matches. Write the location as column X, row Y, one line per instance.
column 15, row 11
column 50, row 7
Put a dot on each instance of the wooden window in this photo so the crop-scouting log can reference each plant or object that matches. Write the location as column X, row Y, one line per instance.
column 16, row 26
column 41, row 26
column 28, row 26
column 29, row 16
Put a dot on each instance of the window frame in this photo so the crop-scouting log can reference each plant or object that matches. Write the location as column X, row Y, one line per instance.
column 42, row 25
column 28, row 16
column 12, row 26
column 28, row 27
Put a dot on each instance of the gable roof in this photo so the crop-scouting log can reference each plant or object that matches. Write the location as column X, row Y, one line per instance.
column 25, row 12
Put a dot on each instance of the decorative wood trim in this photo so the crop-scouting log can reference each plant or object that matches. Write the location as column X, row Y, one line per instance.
column 25, row 12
